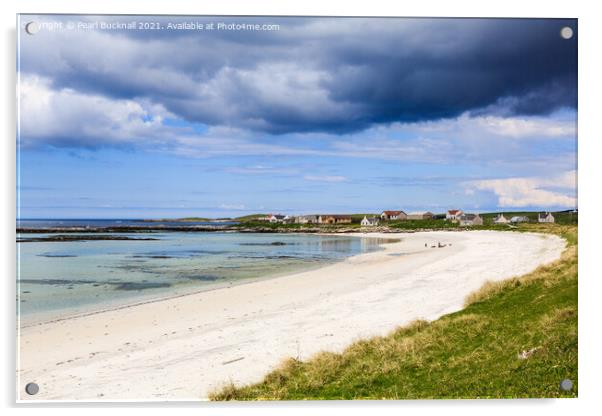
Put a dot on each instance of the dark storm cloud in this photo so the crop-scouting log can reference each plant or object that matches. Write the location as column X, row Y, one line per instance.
column 321, row 74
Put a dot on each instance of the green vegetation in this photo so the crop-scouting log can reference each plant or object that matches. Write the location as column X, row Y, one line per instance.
column 561, row 217
column 516, row 338
column 251, row 217
column 437, row 223
column 433, row 224
column 264, row 225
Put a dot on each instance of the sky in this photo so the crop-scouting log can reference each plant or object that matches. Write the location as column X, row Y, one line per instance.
column 297, row 116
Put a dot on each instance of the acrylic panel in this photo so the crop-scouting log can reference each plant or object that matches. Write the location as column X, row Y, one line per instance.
column 289, row 208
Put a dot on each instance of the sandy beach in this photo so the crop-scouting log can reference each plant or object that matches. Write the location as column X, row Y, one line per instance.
column 182, row 348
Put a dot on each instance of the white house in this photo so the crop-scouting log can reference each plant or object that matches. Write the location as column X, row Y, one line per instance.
column 500, row 219
column 307, row 219
column 519, row 218
column 369, row 222
column 276, row 218
column 454, row 214
column 470, row 219
column 545, row 217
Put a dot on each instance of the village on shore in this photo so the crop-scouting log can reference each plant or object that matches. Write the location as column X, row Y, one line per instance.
column 453, row 215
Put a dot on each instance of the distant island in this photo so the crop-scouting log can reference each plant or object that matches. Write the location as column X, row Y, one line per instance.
column 388, row 221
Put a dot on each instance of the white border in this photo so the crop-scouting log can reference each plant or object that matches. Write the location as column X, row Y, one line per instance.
column 590, row 32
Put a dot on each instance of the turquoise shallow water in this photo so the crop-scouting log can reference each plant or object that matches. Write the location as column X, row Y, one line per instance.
column 63, row 278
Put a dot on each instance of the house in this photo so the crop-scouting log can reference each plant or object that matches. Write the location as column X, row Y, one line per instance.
column 545, row 217
column 334, row 219
column 420, row 215
column 393, row 215
column 500, row 219
column 369, row 222
column 454, row 214
column 307, row 219
column 519, row 218
column 467, row 220
column 276, row 218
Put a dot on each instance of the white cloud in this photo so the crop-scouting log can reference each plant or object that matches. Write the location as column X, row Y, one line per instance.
column 524, row 127
column 260, row 170
column 325, row 178
column 561, row 124
column 551, row 191
column 66, row 117
column 233, row 207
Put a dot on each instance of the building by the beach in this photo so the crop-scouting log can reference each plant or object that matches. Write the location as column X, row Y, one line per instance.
column 307, row 219
column 453, row 214
column 276, row 218
column 500, row 219
column 545, row 217
column 467, row 220
column 519, row 218
column 369, row 222
column 393, row 215
column 420, row 215
column 334, row 219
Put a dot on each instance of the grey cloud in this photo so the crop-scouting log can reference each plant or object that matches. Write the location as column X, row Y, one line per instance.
column 322, row 74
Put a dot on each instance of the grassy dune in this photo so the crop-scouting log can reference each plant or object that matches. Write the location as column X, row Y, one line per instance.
column 516, row 338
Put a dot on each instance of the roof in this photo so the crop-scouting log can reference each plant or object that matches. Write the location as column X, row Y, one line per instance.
column 544, row 214
column 336, row 216
column 393, row 212
column 420, row 213
column 454, row 211
column 469, row 217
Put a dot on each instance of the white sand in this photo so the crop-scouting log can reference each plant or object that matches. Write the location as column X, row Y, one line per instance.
column 182, row 348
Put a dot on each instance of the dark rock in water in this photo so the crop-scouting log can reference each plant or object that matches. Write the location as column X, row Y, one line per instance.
column 203, row 277
column 275, row 243
column 61, row 237
column 57, row 282
column 152, row 256
column 140, row 286
column 58, row 256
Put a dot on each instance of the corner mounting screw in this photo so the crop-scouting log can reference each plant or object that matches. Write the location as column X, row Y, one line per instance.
column 566, row 385
column 32, row 389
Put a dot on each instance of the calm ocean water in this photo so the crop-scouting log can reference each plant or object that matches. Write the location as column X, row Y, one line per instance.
column 65, row 223
column 63, row 278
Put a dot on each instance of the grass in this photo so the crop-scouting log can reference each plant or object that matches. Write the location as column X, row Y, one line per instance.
column 294, row 227
column 560, row 217
column 252, row 217
column 473, row 353
column 433, row 224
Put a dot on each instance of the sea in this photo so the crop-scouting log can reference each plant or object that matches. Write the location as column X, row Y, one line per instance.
column 66, row 278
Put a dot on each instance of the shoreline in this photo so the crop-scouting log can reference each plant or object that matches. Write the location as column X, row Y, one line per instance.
column 364, row 295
